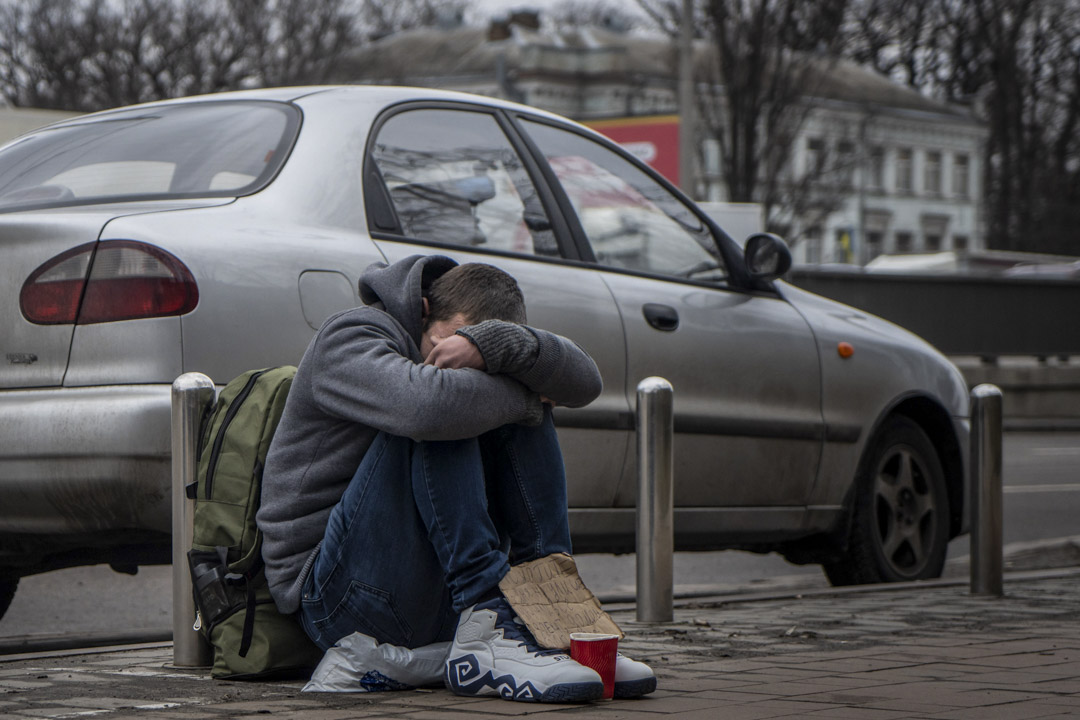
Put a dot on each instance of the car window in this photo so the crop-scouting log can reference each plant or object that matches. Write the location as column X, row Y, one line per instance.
column 630, row 220
column 454, row 177
column 197, row 149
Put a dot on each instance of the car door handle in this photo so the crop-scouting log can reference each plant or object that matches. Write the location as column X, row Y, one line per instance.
column 661, row 317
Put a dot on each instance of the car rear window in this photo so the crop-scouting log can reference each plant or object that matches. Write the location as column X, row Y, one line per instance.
column 207, row 149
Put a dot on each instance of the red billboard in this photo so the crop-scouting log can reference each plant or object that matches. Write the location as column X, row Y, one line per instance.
column 653, row 139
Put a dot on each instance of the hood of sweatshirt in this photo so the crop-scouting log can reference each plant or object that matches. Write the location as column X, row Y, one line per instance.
column 399, row 288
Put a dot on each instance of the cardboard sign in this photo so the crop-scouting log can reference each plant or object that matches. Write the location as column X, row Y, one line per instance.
column 551, row 599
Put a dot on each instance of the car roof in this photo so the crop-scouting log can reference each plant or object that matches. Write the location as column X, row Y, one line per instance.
column 384, row 94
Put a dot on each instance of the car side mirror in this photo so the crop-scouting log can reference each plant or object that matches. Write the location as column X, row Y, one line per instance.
column 767, row 256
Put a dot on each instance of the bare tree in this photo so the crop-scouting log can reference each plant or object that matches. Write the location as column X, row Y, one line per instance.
column 291, row 42
column 1017, row 62
column 570, row 14
column 1030, row 73
column 898, row 38
column 382, row 18
column 764, row 62
column 31, row 76
column 92, row 54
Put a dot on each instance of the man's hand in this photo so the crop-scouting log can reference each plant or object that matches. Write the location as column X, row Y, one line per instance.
column 455, row 352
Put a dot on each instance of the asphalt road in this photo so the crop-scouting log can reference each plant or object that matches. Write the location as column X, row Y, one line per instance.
column 1042, row 502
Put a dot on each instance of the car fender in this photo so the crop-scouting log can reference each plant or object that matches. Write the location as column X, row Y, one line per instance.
column 888, row 370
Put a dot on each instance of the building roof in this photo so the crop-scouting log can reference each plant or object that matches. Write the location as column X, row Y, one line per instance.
column 450, row 57
column 470, row 51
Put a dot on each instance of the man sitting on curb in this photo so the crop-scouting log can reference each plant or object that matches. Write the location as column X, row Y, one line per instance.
column 415, row 461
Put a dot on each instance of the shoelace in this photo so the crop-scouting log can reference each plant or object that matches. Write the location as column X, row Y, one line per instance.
column 529, row 642
column 514, row 629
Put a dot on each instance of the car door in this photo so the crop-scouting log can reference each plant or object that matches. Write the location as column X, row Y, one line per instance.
column 447, row 178
column 744, row 366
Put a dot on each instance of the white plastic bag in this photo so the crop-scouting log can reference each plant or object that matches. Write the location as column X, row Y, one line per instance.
column 359, row 663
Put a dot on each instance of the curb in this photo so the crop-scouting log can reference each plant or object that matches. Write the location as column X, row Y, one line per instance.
column 704, row 600
column 1009, row 577
column 151, row 640
column 1035, row 425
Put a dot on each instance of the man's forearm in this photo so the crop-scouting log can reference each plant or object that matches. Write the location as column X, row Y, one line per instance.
column 546, row 363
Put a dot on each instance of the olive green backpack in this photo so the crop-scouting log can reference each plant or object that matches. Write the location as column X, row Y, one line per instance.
column 235, row 612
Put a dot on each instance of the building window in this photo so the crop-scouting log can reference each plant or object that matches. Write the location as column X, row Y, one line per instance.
column 960, row 242
column 876, row 181
column 903, row 170
column 813, row 245
column 903, row 242
column 873, row 244
column 933, row 243
column 932, row 174
column 815, row 156
column 961, row 183
column 711, row 149
column 845, row 152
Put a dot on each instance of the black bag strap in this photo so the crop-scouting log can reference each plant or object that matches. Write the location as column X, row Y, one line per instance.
column 249, row 620
column 250, row 580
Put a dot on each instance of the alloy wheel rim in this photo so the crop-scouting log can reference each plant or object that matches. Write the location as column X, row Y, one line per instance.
column 905, row 511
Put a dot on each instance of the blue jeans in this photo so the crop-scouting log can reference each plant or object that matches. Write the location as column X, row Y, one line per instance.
column 424, row 529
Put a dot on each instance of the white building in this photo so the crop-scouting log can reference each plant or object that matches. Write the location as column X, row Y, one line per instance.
column 913, row 172
column 910, row 176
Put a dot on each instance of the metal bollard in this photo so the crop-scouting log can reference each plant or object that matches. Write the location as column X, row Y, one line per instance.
column 655, row 505
column 986, row 493
column 192, row 393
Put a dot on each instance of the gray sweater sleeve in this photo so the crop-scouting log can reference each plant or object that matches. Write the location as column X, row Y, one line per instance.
column 362, row 373
column 546, row 363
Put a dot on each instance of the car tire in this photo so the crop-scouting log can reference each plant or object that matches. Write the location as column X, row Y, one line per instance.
column 899, row 528
column 8, row 585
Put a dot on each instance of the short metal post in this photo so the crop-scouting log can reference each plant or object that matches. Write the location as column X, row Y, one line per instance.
column 986, row 492
column 655, row 505
column 192, row 393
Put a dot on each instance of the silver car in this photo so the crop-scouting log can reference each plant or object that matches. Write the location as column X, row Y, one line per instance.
column 215, row 234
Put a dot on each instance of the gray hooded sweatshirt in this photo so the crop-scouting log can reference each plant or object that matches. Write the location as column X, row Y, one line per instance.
column 363, row 373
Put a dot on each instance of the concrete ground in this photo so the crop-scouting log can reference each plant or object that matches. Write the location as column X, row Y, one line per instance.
column 927, row 650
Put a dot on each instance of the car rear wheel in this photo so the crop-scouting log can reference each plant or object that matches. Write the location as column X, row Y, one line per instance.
column 900, row 525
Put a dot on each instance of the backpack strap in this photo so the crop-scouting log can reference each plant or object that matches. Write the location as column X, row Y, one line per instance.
column 249, row 619
column 250, row 580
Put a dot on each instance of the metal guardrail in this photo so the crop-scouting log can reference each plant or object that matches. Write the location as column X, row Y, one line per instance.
column 986, row 491
column 192, row 394
column 656, row 501
column 986, row 316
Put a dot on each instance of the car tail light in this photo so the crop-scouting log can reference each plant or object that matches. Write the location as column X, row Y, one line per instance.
column 108, row 281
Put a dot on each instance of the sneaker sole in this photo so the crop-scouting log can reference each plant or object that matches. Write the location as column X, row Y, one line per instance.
column 573, row 693
column 562, row 693
column 471, row 683
column 634, row 688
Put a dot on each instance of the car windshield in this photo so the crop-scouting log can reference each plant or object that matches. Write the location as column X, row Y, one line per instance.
column 212, row 149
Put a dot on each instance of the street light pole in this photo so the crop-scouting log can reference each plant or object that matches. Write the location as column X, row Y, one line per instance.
column 687, row 115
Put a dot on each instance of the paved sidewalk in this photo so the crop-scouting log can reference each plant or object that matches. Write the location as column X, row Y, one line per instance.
column 926, row 651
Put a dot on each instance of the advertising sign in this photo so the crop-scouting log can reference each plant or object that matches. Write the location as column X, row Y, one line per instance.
column 654, row 139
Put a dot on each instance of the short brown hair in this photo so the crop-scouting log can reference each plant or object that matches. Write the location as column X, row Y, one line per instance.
column 479, row 292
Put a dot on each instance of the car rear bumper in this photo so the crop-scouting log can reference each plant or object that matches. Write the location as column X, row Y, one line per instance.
column 75, row 461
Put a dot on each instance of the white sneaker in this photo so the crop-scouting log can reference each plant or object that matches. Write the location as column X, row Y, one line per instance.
column 493, row 653
column 632, row 678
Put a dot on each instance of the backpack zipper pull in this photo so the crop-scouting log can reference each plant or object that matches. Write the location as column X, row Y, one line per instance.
column 198, row 621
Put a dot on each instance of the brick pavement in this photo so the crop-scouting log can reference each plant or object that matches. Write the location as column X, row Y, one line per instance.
column 931, row 651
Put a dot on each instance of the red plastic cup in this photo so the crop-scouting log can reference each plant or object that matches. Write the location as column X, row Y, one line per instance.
column 597, row 651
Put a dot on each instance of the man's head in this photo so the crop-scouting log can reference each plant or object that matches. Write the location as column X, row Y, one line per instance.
column 466, row 295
